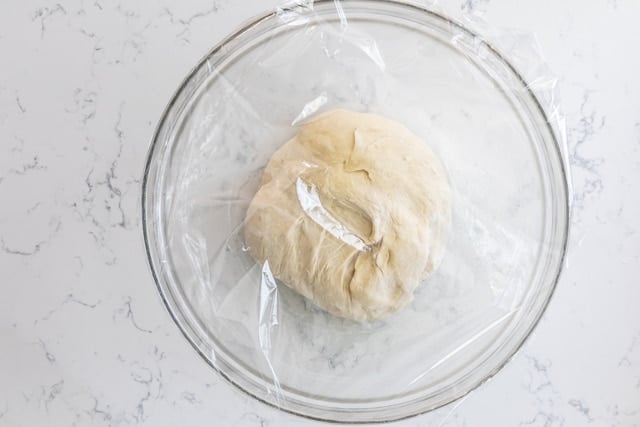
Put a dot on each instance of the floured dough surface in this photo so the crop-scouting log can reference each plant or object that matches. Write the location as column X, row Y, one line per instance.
column 351, row 213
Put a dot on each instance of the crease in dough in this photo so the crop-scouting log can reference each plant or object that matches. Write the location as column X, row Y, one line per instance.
column 312, row 206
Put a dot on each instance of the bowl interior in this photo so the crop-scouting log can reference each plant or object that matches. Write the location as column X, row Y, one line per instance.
column 509, row 224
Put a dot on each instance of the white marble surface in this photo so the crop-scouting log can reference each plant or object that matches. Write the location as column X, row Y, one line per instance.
column 84, row 338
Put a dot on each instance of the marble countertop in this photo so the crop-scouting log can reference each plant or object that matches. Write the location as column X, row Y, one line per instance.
column 84, row 337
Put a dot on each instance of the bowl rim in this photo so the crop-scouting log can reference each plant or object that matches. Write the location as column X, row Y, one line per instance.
column 166, row 299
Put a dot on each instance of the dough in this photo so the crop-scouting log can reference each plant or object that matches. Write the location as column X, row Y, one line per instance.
column 351, row 213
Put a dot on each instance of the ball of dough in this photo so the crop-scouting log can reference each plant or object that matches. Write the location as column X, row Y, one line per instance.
column 351, row 213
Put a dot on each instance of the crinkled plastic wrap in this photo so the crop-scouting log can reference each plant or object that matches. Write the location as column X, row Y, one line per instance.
column 493, row 124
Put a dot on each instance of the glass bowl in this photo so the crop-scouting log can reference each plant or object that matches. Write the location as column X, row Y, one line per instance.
column 509, row 217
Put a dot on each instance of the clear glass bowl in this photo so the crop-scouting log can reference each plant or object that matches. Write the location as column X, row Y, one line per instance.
column 509, row 224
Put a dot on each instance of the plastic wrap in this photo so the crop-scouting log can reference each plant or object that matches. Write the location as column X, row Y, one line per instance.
column 497, row 132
